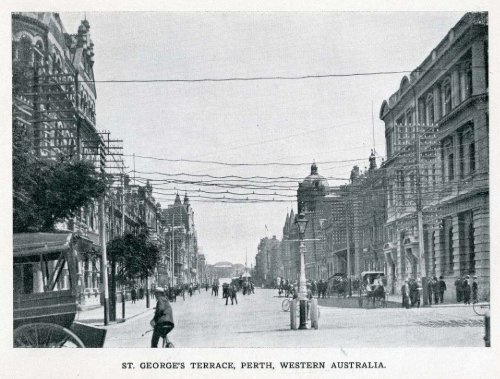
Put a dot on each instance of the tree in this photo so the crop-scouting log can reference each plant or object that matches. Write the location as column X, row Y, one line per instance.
column 135, row 257
column 49, row 191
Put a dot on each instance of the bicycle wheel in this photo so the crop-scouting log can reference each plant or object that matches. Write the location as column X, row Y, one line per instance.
column 167, row 344
column 480, row 308
column 285, row 305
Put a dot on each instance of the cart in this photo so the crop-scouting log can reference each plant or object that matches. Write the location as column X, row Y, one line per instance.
column 372, row 289
column 45, row 291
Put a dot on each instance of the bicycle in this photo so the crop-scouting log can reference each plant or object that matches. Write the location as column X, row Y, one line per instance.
column 166, row 343
column 481, row 307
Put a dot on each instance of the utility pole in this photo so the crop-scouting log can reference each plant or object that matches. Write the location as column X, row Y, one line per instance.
column 173, row 248
column 421, row 268
column 104, row 257
column 348, row 251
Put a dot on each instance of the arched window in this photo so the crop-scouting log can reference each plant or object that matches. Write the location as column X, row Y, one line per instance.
column 468, row 79
column 39, row 54
column 447, row 96
column 25, row 50
column 429, row 117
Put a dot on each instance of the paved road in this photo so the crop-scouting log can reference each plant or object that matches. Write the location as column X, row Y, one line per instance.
column 257, row 321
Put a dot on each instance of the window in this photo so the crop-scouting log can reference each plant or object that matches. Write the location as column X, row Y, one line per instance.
column 467, row 152
column 468, row 79
column 448, row 160
column 486, row 63
column 38, row 54
column 447, row 96
column 429, row 117
column 25, row 50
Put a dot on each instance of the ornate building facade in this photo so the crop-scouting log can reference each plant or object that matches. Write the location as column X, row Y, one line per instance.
column 437, row 141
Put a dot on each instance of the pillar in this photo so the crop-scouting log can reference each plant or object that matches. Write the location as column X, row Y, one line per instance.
column 481, row 221
column 455, row 88
column 478, row 68
column 439, row 251
column 455, row 222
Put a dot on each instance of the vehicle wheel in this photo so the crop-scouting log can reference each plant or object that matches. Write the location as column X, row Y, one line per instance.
column 480, row 308
column 285, row 305
column 45, row 335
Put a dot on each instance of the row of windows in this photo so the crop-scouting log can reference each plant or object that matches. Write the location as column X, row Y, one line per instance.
column 450, row 91
column 29, row 54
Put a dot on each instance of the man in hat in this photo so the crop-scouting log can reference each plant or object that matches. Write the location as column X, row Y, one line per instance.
column 405, row 292
column 163, row 320
column 442, row 288
column 458, row 289
column 474, row 290
column 466, row 290
column 435, row 289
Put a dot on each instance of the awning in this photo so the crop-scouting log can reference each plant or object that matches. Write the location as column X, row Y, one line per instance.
column 26, row 244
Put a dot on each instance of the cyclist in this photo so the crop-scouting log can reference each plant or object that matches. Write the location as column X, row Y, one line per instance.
column 163, row 320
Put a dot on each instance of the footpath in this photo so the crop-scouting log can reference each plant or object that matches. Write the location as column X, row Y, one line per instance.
column 95, row 316
column 393, row 301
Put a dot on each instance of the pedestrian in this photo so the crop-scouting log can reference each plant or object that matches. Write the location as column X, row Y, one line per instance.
column 430, row 290
column 413, row 292
column 163, row 320
column 466, row 289
column 418, row 293
column 435, row 289
column 442, row 288
column 405, row 293
column 458, row 289
column 190, row 290
column 225, row 291
column 474, row 290
column 133, row 295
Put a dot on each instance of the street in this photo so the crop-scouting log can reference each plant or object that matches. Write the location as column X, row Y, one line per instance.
column 258, row 321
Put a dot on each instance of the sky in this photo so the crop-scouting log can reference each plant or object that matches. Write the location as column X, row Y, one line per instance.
column 332, row 119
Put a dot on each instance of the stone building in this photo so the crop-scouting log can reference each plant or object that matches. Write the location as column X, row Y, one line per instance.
column 437, row 142
column 290, row 257
column 311, row 201
column 268, row 266
column 181, row 240
column 53, row 110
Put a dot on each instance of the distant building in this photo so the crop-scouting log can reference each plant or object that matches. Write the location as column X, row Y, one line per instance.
column 181, row 240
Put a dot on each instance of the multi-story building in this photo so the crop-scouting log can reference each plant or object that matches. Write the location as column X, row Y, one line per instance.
column 268, row 266
column 290, row 257
column 437, row 141
column 181, row 240
column 311, row 201
column 53, row 108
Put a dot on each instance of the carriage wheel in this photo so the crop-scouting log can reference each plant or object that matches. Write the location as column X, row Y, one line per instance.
column 45, row 335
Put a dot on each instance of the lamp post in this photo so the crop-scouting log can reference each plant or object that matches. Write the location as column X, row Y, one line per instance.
column 301, row 222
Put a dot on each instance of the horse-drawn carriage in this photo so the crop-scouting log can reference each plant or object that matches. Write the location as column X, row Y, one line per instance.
column 372, row 289
column 337, row 284
column 45, row 295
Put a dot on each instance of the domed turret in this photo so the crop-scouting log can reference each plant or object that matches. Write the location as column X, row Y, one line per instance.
column 314, row 180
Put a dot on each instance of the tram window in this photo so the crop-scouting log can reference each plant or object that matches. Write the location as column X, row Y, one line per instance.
column 23, row 278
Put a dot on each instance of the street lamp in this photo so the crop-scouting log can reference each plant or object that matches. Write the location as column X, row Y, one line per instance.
column 301, row 222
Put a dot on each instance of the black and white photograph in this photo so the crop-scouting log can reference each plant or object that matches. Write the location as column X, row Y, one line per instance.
column 249, row 179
